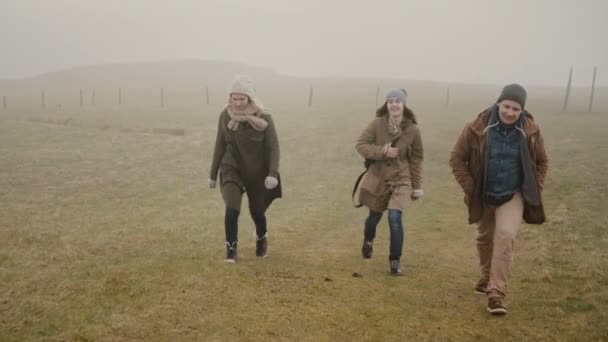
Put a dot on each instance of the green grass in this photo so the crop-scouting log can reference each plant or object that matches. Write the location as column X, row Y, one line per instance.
column 108, row 232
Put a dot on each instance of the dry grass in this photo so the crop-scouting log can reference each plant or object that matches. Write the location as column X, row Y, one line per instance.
column 111, row 234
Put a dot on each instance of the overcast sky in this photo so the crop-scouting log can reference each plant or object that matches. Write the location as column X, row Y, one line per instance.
column 489, row 41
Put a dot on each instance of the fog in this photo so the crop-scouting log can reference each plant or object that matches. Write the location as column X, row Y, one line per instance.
column 471, row 41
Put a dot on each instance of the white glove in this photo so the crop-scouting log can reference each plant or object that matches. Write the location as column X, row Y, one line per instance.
column 212, row 183
column 271, row 182
column 416, row 194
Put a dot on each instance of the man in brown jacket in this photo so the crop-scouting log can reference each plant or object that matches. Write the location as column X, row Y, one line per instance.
column 500, row 162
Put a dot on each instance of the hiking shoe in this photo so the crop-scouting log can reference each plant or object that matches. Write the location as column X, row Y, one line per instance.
column 230, row 252
column 481, row 288
column 395, row 267
column 261, row 247
column 368, row 249
column 495, row 306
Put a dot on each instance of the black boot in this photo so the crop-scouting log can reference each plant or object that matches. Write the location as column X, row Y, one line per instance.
column 261, row 246
column 395, row 267
column 368, row 249
column 231, row 226
column 230, row 252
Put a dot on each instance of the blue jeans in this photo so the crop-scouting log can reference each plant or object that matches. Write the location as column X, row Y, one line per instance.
column 395, row 224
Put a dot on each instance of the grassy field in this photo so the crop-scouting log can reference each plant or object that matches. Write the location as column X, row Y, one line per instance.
column 109, row 232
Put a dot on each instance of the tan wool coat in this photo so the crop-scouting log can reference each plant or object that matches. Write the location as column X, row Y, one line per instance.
column 388, row 183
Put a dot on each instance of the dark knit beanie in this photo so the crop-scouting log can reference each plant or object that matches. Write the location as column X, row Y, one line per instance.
column 513, row 92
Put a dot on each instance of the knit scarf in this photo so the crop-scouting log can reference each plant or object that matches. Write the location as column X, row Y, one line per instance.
column 394, row 129
column 251, row 114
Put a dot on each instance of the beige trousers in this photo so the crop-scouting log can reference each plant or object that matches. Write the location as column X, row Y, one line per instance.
column 496, row 235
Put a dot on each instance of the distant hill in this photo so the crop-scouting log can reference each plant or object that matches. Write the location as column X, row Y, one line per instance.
column 183, row 76
column 169, row 73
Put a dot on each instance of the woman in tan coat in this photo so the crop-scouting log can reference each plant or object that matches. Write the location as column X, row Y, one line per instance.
column 392, row 144
column 246, row 156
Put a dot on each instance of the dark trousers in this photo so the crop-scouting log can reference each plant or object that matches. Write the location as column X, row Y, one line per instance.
column 232, row 195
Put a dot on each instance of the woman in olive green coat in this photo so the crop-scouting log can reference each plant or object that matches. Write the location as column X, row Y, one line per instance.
column 246, row 156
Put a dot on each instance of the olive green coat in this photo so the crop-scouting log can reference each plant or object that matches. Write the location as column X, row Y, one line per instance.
column 246, row 157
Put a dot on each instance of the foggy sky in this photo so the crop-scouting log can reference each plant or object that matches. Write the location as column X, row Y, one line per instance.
column 488, row 41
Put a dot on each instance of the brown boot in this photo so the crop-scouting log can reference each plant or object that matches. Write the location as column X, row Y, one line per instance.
column 481, row 288
column 496, row 307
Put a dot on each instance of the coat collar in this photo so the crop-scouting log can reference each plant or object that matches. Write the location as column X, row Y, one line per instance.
column 481, row 122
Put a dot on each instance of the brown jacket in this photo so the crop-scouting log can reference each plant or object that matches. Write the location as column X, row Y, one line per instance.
column 467, row 163
column 385, row 174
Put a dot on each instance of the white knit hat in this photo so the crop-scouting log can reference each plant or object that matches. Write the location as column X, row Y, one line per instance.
column 243, row 85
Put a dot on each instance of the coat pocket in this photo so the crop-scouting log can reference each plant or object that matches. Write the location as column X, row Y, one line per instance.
column 253, row 135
